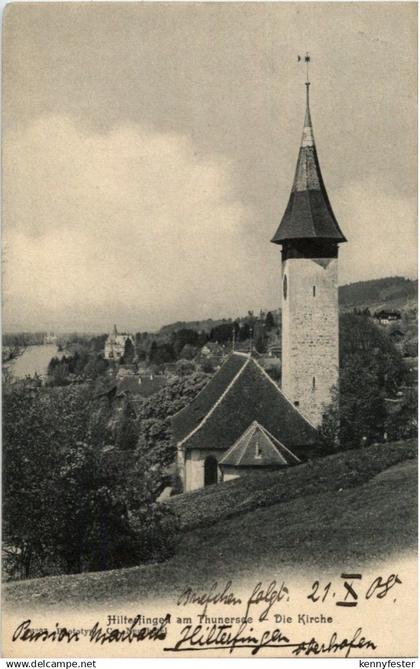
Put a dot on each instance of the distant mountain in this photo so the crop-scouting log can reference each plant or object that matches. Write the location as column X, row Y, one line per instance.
column 394, row 292
column 204, row 325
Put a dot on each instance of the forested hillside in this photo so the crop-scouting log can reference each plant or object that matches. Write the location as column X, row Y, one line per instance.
column 393, row 291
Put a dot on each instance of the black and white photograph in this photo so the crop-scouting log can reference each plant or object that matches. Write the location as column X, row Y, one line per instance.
column 209, row 330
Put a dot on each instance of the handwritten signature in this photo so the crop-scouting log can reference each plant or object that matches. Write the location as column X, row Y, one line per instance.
column 223, row 637
column 24, row 632
column 268, row 596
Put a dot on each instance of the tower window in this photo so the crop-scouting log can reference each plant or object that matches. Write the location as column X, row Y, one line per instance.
column 296, row 403
column 313, row 383
column 258, row 451
column 313, row 291
column 285, row 287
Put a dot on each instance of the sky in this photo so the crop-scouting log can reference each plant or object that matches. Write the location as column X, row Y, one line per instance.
column 149, row 151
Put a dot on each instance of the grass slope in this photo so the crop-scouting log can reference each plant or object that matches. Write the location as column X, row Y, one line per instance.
column 348, row 469
column 370, row 516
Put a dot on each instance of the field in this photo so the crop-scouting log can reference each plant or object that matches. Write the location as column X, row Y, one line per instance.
column 347, row 509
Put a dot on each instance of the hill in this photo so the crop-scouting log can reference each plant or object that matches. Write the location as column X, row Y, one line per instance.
column 202, row 326
column 394, row 292
column 348, row 508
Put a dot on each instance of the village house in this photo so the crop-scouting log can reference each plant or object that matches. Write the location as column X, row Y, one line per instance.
column 242, row 420
column 212, row 348
column 386, row 316
column 212, row 353
column 274, row 350
column 50, row 338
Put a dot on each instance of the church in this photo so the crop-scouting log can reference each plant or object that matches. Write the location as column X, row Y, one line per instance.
column 242, row 420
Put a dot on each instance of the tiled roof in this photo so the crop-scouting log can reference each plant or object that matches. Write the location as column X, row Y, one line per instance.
column 238, row 394
column 308, row 214
column 188, row 418
column 256, row 447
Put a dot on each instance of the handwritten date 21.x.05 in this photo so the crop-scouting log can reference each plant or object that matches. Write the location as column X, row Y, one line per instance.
column 351, row 587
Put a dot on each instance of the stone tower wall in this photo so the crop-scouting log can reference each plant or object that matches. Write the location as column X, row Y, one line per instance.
column 310, row 333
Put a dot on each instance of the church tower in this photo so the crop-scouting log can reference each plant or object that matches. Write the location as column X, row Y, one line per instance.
column 309, row 235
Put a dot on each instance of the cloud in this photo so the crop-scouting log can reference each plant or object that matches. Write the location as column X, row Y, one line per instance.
column 139, row 228
column 131, row 227
column 381, row 229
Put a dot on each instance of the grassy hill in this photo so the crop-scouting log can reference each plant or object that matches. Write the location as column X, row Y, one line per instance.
column 346, row 509
column 348, row 469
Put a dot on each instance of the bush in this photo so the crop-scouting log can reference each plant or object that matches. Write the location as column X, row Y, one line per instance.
column 185, row 367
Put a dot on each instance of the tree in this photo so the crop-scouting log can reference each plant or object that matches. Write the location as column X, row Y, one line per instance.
column 95, row 367
column 129, row 352
column 65, row 509
column 371, row 371
column 207, row 366
column 184, row 367
column 161, row 353
column 244, row 332
column 403, row 423
column 124, row 428
column 154, row 417
column 221, row 333
column 182, row 338
column 188, row 352
column 361, row 402
column 202, row 338
column 38, row 425
column 269, row 321
column 98, row 343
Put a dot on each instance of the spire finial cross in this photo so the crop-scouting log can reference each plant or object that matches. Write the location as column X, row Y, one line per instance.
column 306, row 59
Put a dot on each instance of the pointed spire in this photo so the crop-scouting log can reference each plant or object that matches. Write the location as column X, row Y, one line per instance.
column 309, row 214
column 308, row 135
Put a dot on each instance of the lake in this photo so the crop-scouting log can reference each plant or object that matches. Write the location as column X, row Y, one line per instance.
column 34, row 360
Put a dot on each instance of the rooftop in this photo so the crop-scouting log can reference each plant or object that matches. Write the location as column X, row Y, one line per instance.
column 256, row 447
column 308, row 214
column 238, row 394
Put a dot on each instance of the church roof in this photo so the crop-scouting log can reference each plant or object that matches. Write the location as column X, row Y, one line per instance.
column 308, row 214
column 256, row 447
column 239, row 393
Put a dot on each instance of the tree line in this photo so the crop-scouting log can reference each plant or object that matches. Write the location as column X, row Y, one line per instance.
column 84, row 357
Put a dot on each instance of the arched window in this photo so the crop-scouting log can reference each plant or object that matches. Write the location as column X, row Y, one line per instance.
column 210, row 470
column 285, row 287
